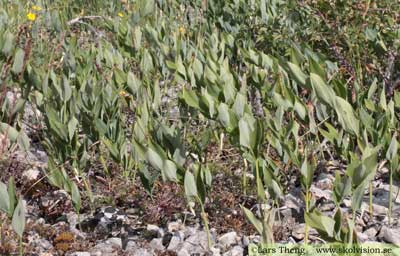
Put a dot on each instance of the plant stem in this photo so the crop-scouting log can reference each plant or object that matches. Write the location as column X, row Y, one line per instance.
column 264, row 224
column 89, row 191
column 307, row 209
column 244, row 178
column 370, row 200
column 104, row 164
column 205, row 220
column 390, row 194
column 1, row 233
column 79, row 221
column 21, row 249
column 221, row 142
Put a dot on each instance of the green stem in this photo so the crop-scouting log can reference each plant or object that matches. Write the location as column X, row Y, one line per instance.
column 21, row 248
column 90, row 194
column 104, row 164
column 264, row 224
column 307, row 209
column 79, row 221
column 221, row 142
column 244, row 177
column 370, row 200
column 205, row 220
column 390, row 194
column 1, row 233
column 263, row 235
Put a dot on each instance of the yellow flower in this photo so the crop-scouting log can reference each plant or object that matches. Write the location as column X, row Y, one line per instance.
column 120, row 14
column 31, row 16
column 36, row 8
column 123, row 93
column 182, row 30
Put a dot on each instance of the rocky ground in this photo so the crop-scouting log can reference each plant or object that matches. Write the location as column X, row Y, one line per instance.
column 125, row 220
column 121, row 218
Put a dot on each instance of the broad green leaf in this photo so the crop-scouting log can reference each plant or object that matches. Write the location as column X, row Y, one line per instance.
column 272, row 185
column 210, row 75
column 307, row 173
column 54, row 175
column 138, row 37
column 112, row 148
column 18, row 61
column 67, row 91
column 207, row 176
column 259, row 184
column 347, row 116
column 171, row 65
column 239, row 105
column 197, row 68
column 169, row 170
column 190, row 98
column 226, row 77
column 392, row 150
column 190, row 185
column 300, row 109
column 372, row 89
column 10, row 131
column 358, row 195
column 8, row 44
column 253, row 219
column 147, row 63
column 342, row 188
column 332, row 134
column 397, row 99
column 263, row 9
column 364, row 170
column 18, row 219
column 140, row 150
column 120, row 76
column 281, row 101
column 146, row 7
column 101, row 126
column 23, row 141
column 298, row 74
column 320, row 222
column 72, row 124
column 75, row 196
column 19, row 105
column 245, row 133
column 4, row 198
column 209, row 102
column 324, row 92
column 338, row 222
column 382, row 100
column 316, row 68
column 180, row 68
column 154, row 159
column 12, row 196
column 133, row 83
column 227, row 117
column 371, row 34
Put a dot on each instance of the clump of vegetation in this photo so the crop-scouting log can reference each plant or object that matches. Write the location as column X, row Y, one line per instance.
column 143, row 88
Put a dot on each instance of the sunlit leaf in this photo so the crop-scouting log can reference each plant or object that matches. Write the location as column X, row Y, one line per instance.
column 190, row 185
column 18, row 219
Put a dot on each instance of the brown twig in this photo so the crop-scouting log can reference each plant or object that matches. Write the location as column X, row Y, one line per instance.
column 79, row 19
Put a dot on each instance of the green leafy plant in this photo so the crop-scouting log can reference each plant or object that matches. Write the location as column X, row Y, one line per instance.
column 15, row 209
column 144, row 87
